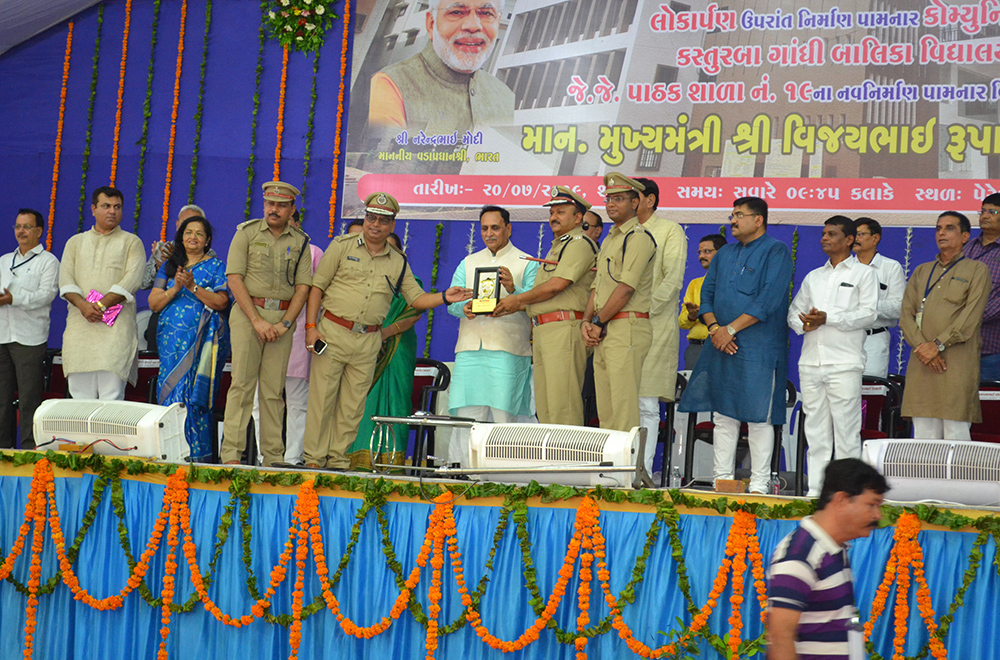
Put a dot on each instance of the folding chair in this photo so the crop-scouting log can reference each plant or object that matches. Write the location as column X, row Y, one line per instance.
column 703, row 432
column 429, row 378
column 988, row 430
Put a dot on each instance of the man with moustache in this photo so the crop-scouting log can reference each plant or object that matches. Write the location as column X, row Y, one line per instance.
column 986, row 249
column 98, row 358
column 269, row 271
column 616, row 321
column 811, row 609
column 688, row 320
column 443, row 88
column 555, row 306
column 352, row 291
column 491, row 381
column 941, row 319
column 29, row 281
column 161, row 250
column 891, row 283
column 835, row 304
column 741, row 376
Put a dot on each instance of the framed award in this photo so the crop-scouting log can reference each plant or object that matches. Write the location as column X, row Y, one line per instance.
column 486, row 290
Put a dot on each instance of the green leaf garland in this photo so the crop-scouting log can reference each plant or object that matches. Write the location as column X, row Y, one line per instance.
column 435, row 265
column 199, row 111
column 310, row 131
column 85, row 165
column 262, row 39
column 146, row 114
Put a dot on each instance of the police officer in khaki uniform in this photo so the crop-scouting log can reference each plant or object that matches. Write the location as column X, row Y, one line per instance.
column 555, row 305
column 353, row 288
column 617, row 324
column 269, row 273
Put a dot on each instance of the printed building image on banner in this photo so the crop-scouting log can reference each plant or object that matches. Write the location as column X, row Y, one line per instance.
column 887, row 106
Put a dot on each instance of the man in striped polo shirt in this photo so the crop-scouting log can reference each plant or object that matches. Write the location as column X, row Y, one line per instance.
column 812, row 613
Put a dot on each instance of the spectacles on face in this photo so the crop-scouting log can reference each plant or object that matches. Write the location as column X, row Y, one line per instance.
column 863, row 233
column 708, row 252
column 195, row 233
column 382, row 221
column 989, row 213
column 616, row 199
column 25, row 227
column 739, row 215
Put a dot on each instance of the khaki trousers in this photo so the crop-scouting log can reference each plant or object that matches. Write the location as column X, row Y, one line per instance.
column 339, row 381
column 560, row 361
column 618, row 370
column 255, row 361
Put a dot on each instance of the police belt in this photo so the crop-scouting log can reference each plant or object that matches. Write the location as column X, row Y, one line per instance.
column 625, row 315
column 351, row 325
column 549, row 317
column 271, row 303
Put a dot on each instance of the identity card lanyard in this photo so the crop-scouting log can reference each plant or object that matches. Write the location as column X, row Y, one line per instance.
column 13, row 258
column 930, row 287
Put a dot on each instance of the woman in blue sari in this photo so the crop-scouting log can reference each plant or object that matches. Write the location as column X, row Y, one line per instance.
column 191, row 295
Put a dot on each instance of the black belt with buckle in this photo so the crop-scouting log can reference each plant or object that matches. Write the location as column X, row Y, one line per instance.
column 696, row 342
column 875, row 331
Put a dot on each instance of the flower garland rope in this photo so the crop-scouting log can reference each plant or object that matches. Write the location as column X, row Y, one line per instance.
column 310, row 132
column 146, row 114
column 85, row 165
column 173, row 123
column 282, row 88
column 435, row 264
column 59, row 132
column 199, row 111
column 121, row 93
column 339, row 125
column 261, row 40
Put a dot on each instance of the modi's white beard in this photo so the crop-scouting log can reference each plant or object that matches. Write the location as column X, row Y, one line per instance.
column 461, row 62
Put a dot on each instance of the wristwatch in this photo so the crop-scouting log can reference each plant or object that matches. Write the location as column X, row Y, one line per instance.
column 939, row 345
column 596, row 320
column 195, row 289
column 731, row 330
column 286, row 323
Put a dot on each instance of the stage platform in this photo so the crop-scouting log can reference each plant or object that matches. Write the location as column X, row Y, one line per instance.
column 280, row 552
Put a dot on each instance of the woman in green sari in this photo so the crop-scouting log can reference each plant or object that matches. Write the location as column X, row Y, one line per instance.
column 392, row 386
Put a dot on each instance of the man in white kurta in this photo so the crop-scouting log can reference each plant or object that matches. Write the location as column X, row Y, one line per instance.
column 833, row 308
column 491, row 381
column 98, row 359
column 891, row 286
column 659, row 371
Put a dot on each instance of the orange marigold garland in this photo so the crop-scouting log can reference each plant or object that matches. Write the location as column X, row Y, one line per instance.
column 59, row 131
column 743, row 529
column 281, row 112
column 121, row 92
column 906, row 552
column 177, row 487
column 340, row 119
column 36, row 509
column 173, row 122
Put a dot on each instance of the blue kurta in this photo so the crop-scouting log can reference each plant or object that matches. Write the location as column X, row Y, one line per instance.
column 749, row 279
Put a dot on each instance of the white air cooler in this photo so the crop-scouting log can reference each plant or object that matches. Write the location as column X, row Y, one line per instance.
column 951, row 471
column 156, row 432
column 542, row 445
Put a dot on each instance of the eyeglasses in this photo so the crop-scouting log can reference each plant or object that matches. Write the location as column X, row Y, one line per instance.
column 739, row 215
column 26, row 227
column 989, row 212
column 863, row 233
column 383, row 221
column 196, row 234
column 616, row 199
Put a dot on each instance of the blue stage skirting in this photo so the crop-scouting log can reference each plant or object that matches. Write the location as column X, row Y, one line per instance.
column 367, row 589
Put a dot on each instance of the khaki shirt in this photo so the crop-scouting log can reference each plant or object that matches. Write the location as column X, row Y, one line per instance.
column 576, row 254
column 357, row 286
column 267, row 262
column 630, row 262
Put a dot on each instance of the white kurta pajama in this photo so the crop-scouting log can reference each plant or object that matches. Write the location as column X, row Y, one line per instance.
column 659, row 371
column 107, row 263
column 892, row 284
column 833, row 358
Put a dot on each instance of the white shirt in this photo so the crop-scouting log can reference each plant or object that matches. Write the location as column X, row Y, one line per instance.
column 848, row 293
column 891, row 286
column 33, row 282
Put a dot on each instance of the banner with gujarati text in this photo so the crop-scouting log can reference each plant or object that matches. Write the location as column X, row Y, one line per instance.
column 887, row 109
